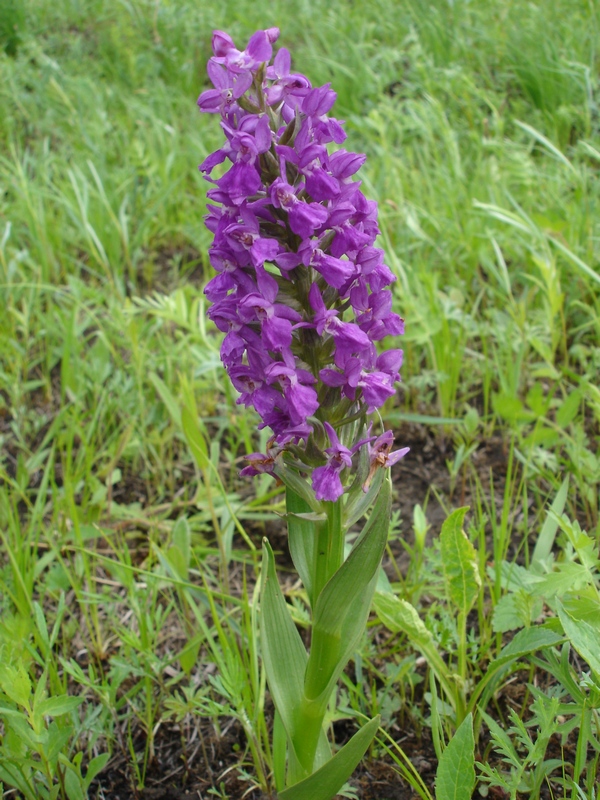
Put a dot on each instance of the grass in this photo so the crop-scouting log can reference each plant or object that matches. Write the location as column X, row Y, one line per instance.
column 128, row 542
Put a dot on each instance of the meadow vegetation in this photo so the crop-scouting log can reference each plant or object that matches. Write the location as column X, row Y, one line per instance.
column 129, row 658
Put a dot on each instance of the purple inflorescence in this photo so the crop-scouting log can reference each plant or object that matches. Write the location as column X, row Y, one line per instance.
column 301, row 291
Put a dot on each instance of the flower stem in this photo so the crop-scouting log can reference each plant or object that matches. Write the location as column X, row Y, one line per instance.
column 329, row 552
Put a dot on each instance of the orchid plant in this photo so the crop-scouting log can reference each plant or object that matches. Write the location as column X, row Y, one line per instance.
column 301, row 294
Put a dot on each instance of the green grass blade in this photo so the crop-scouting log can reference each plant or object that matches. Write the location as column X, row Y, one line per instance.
column 545, row 540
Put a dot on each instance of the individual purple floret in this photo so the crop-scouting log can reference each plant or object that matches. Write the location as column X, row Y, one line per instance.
column 301, row 289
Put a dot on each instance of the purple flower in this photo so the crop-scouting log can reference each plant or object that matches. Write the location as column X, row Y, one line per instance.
column 261, row 463
column 275, row 318
column 380, row 455
column 326, row 480
column 228, row 89
column 247, row 238
column 348, row 336
column 302, row 399
column 336, row 271
column 258, row 50
column 287, row 88
column 304, row 218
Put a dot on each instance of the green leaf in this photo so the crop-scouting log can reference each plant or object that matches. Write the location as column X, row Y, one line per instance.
column 455, row 777
column 95, row 767
column 399, row 616
column 11, row 775
column 510, row 408
column 181, row 539
column 459, row 561
column 326, row 782
column 58, row 739
column 74, row 785
column 284, row 655
column 302, row 537
column 567, row 576
column 188, row 656
column 515, row 610
column 279, row 751
column 501, row 739
column 525, row 642
column 568, row 409
column 57, row 706
column 543, row 546
column 15, row 683
column 584, row 636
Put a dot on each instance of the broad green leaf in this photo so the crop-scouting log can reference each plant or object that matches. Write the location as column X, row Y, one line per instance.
column 584, row 606
column 57, row 706
column 301, row 537
column 284, row 655
column 58, row 739
column 326, row 782
column 455, row 777
column 515, row 610
column 459, row 561
column 178, row 563
column 95, row 767
column 12, row 775
column 584, row 637
column 543, row 546
column 15, row 683
column 525, row 642
column 279, row 750
column 567, row 576
column 74, row 785
column 343, row 606
column 510, row 408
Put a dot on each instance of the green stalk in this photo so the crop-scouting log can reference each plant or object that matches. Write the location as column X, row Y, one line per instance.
column 327, row 559
column 309, row 726
column 329, row 552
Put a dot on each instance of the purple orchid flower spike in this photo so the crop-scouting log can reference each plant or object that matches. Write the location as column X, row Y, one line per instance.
column 300, row 291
